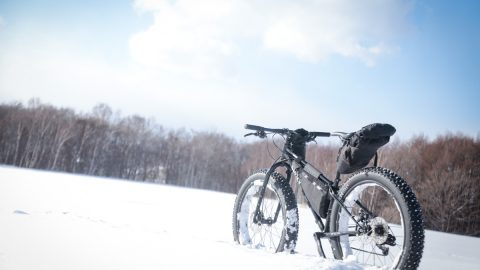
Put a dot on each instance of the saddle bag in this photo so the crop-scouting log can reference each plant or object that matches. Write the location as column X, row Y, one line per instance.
column 359, row 147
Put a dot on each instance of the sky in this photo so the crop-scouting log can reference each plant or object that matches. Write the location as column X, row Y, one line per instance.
column 215, row 65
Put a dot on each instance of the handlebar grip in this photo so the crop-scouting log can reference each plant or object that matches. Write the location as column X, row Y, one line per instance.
column 273, row 130
column 253, row 127
column 320, row 134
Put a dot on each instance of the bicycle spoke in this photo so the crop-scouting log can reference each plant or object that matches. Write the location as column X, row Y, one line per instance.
column 264, row 233
column 365, row 245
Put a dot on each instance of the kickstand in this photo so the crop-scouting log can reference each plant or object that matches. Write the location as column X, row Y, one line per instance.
column 316, row 236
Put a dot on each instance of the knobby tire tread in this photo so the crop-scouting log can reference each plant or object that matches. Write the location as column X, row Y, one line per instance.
column 280, row 184
column 416, row 226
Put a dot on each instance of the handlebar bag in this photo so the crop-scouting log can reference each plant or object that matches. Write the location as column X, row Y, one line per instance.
column 359, row 147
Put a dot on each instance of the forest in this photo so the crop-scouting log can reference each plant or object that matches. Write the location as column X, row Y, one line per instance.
column 444, row 171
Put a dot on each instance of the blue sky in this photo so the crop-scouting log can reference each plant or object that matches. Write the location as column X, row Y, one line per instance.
column 218, row 64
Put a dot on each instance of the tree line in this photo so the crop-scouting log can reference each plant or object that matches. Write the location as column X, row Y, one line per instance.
column 444, row 172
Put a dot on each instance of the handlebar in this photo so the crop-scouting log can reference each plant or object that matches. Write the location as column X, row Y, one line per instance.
column 261, row 131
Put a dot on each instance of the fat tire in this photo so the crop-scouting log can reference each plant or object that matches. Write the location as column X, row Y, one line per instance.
column 409, row 207
column 288, row 205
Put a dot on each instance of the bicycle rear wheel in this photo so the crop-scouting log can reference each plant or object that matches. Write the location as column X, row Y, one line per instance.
column 276, row 227
column 383, row 218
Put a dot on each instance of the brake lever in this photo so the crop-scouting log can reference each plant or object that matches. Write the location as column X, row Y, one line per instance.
column 259, row 133
column 312, row 138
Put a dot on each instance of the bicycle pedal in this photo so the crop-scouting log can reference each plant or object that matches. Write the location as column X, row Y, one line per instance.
column 318, row 236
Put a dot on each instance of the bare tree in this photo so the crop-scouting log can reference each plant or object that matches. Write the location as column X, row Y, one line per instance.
column 444, row 172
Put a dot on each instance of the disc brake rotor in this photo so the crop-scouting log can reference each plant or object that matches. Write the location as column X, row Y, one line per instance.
column 379, row 230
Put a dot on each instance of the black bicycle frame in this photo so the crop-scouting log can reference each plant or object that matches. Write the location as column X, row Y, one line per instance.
column 287, row 160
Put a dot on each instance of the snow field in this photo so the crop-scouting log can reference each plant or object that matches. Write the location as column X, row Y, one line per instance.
column 59, row 221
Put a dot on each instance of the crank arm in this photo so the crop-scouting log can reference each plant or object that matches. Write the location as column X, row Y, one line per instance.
column 335, row 234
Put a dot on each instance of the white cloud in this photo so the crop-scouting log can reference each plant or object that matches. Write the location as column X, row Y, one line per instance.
column 187, row 36
column 355, row 29
column 201, row 37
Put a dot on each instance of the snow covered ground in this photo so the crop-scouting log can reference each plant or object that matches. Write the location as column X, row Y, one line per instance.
column 56, row 221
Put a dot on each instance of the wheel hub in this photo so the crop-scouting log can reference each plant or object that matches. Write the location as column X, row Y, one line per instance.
column 379, row 230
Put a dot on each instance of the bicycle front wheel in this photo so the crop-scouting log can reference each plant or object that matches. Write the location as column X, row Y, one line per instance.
column 380, row 222
column 275, row 228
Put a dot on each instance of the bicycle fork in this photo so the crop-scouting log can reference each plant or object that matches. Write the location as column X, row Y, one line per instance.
column 258, row 217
